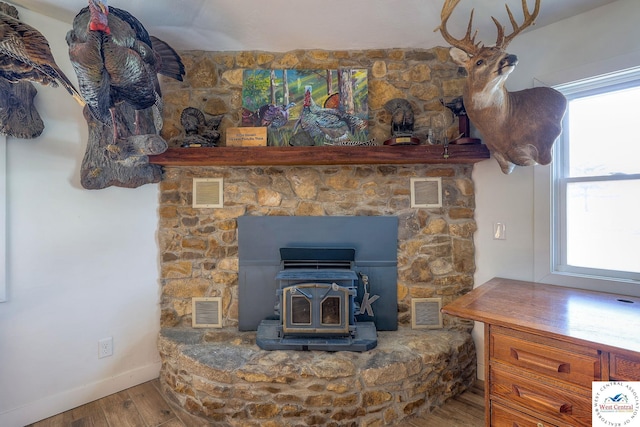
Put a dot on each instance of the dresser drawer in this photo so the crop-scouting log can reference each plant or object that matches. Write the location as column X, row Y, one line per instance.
column 502, row 416
column 624, row 368
column 543, row 356
column 563, row 405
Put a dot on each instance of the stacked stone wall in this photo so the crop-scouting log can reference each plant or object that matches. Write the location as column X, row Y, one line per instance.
column 199, row 247
column 423, row 77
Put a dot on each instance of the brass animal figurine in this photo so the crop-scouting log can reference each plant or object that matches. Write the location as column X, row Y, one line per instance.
column 518, row 127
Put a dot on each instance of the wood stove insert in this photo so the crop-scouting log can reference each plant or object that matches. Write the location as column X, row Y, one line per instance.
column 364, row 249
column 316, row 306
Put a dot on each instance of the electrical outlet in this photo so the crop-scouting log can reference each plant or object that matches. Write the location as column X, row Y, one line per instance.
column 105, row 347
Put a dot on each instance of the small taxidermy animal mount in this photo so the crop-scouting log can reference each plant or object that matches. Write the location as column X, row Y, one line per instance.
column 402, row 121
column 199, row 131
column 402, row 117
column 518, row 127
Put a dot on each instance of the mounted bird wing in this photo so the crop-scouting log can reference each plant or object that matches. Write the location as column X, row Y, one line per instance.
column 25, row 55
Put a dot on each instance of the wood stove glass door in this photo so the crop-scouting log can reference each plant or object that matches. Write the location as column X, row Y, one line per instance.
column 330, row 311
column 315, row 308
column 300, row 310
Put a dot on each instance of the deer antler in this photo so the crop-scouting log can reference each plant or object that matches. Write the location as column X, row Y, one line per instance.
column 529, row 18
column 468, row 43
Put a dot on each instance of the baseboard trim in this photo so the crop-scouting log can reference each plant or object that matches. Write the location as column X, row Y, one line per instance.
column 69, row 399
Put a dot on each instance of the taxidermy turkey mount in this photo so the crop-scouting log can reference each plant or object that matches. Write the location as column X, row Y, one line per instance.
column 124, row 104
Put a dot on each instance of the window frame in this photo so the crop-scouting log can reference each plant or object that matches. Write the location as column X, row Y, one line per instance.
column 549, row 256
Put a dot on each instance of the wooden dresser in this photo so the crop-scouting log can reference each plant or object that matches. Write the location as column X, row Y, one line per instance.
column 544, row 345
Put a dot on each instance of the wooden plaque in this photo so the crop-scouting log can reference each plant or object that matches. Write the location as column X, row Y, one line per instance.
column 247, row 137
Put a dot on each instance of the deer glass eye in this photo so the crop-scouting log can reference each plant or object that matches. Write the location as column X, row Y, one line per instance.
column 480, row 62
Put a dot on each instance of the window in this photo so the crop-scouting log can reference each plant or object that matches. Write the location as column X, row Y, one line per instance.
column 595, row 183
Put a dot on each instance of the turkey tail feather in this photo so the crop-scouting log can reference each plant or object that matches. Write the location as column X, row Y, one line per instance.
column 170, row 62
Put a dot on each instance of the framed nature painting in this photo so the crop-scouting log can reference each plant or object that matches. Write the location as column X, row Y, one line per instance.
column 307, row 107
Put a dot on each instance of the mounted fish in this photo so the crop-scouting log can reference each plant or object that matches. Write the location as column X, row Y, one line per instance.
column 25, row 57
column 117, row 64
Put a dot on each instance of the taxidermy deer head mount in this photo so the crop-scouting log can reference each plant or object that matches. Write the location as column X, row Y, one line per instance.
column 518, row 127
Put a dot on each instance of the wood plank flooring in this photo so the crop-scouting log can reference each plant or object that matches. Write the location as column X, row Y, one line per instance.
column 466, row 410
column 144, row 406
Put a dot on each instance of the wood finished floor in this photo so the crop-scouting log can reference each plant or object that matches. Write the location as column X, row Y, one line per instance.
column 144, row 406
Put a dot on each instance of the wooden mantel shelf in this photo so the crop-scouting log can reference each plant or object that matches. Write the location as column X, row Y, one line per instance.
column 326, row 155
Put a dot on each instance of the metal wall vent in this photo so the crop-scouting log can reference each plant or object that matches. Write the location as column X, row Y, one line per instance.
column 206, row 312
column 425, row 313
column 426, row 192
column 207, row 193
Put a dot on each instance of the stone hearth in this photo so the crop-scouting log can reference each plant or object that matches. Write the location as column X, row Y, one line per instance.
column 225, row 378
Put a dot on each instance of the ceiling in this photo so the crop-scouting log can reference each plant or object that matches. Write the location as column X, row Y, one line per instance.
column 283, row 25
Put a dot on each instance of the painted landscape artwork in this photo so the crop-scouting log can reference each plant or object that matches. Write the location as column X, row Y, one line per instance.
column 307, row 107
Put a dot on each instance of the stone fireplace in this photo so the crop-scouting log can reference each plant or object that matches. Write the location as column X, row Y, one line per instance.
column 221, row 375
column 199, row 247
column 224, row 377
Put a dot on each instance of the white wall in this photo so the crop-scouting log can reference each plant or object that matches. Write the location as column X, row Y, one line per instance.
column 82, row 265
column 593, row 43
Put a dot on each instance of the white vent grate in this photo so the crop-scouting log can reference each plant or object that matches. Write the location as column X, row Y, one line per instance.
column 206, row 312
column 426, row 192
column 207, row 193
column 425, row 313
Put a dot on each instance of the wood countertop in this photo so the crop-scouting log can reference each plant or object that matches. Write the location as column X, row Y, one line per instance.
column 568, row 314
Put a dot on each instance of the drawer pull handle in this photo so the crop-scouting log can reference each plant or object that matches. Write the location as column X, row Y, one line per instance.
column 541, row 361
column 560, row 408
